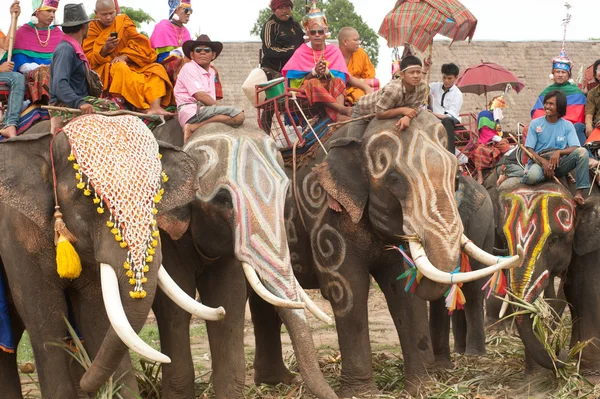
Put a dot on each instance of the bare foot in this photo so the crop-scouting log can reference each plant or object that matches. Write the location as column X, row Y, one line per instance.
column 501, row 180
column 342, row 118
column 158, row 111
column 9, row 131
column 578, row 198
column 333, row 204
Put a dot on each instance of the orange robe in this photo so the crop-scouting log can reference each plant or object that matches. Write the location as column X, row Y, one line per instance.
column 360, row 67
column 142, row 80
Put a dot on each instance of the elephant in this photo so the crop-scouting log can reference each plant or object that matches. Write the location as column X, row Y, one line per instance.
column 559, row 239
column 394, row 186
column 237, row 233
column 31, row 165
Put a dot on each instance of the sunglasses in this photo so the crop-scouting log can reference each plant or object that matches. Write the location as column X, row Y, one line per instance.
column 317, row 32
column 187, row 11
column 206, row 50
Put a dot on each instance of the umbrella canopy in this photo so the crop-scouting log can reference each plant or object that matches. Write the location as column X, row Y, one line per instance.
column 487, row 76
column 416, row 22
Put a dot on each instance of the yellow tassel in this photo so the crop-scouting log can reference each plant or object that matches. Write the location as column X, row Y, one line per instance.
column 123, row 244
column 68, row 264
column 127, row 265
column 110, row 224
column 87, row 192
column 80, row 185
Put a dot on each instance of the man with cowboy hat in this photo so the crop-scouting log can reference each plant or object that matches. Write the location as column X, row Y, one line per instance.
column 72, row 82
column 195, row 89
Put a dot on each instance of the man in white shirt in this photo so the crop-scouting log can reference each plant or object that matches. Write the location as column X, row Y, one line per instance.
column 446, row 100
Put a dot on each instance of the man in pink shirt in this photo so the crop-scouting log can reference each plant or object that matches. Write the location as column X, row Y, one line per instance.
column 195, row 89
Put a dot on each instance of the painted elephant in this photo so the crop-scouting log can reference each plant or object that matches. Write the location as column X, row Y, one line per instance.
column 237, row 233
column 30, row 166
column 559, row 240
column 394, row 186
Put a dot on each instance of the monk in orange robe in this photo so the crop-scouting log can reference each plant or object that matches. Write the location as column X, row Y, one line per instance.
column 359, row 65
column 126, row 61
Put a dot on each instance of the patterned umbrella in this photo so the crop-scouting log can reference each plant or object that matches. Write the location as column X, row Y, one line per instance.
column 416, row 22
column 487, row 76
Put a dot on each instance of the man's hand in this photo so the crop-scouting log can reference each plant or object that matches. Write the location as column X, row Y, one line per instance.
column 320, row 68
column 368, row 89
column 588, row 129
column 597, row 124
column 554, row 159
column 121, row 58
column 87, row 109
column 548, row 169
column 410, row 112
column 109, row 46
column 8, row 66
column 403, row 123
column 15, row 8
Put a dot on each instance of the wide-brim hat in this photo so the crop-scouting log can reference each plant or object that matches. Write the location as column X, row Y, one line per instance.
column 189, row 45
column 74, row 15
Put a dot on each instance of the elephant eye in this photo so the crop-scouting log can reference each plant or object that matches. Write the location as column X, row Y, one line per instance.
column 223, row 198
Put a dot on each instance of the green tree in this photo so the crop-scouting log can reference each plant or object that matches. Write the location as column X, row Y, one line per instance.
column 340, row 13
column 138, row 16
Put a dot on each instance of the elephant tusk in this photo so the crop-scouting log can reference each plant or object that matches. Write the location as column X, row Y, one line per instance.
column 181, row 298
column 504, row 306
column 118, row 319
column 479, row 254
column 313, row 308
column 265, row 294
column 434, row 274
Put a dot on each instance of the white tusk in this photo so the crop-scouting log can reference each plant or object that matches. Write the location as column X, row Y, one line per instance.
column 265, row 294
column 313, row 308
column 477, row 253
column 434, row 274
column 181, row 298
column 504, row 307
column 118, row 319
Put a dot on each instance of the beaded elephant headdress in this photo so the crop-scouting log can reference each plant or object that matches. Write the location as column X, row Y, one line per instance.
column 118, row 165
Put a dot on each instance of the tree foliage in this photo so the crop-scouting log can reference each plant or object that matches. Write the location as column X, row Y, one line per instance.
column 138, row 16
column 340, row 13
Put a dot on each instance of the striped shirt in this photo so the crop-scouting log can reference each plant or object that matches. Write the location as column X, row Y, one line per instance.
column 393, row 95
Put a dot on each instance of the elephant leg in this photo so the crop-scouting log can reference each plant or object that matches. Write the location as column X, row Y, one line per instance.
column 268, row 358
column 9, row 374
column 468, row 324
column 439, row 328
column 348, row 293
column 224, row 284
column 410, row 318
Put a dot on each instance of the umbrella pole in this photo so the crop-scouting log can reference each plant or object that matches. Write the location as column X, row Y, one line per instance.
column 11, row 34
column 430, row 57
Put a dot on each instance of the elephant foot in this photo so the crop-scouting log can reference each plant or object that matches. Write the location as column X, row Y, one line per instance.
column 362, row 391
column 475, row 352
column 275, row 377
column 412, row 384
column 441, row 362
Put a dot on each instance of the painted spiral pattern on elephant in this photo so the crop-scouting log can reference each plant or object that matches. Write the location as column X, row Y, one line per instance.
column 527, row 223
column 248, row 167
column 429, row 170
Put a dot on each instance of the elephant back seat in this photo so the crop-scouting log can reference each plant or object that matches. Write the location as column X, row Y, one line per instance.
column 285, row 114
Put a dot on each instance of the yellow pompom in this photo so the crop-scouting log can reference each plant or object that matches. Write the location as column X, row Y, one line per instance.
column 68, row 264
column 80, row 185
column 76, row 167
column 123, row 244
column 129, row 273
column 146, row 269
column 157, row 198
column 154, row 243
column 100, row 210
column 151, row 251
column 165, row 177
column 126, row 265
column 96, row 200
column 142, row 294
column 133, row 294
column 118, row 237
column 71, row 157
column 161, row 191
column 153, row 222
column 159, row 156
column 78, row 176
column 154, row 211
column 149, row 258
column 144, row 280
column 87, row 192
column 155, row 233
column 132, row 281
column 114, row 230
column 110, row 223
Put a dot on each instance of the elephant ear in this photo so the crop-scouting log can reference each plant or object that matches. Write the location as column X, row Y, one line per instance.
column 26, row 177
column 344, row 177
column 587, row 231
column 180, row 189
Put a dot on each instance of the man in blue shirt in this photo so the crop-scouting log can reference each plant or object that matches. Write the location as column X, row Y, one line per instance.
column 553, row 142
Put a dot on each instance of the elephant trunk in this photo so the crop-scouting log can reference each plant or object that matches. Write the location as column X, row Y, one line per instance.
column 127, row 317
column 306, row 355
column 534, row 347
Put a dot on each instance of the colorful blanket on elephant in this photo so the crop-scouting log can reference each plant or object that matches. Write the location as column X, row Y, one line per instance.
column 32, row 115
column 38, row 85
column 486, row 156
column 575, row 102
column 117, row 160
column 99, row 104
column 28, row 47
column 6, row 339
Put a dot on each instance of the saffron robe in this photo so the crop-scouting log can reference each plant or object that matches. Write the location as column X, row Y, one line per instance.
column 575, row 102
column 142, row 80
column 360, row 67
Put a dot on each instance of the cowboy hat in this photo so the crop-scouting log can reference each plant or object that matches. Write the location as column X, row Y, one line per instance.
column 74, row 15
column 188, row 46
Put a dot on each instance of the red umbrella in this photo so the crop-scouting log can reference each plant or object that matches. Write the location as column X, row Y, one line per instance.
column 487, row 76
column 416, row 22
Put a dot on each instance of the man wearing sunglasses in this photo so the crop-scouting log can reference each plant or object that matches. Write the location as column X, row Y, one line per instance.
column 170, row 34
column 195, row 89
